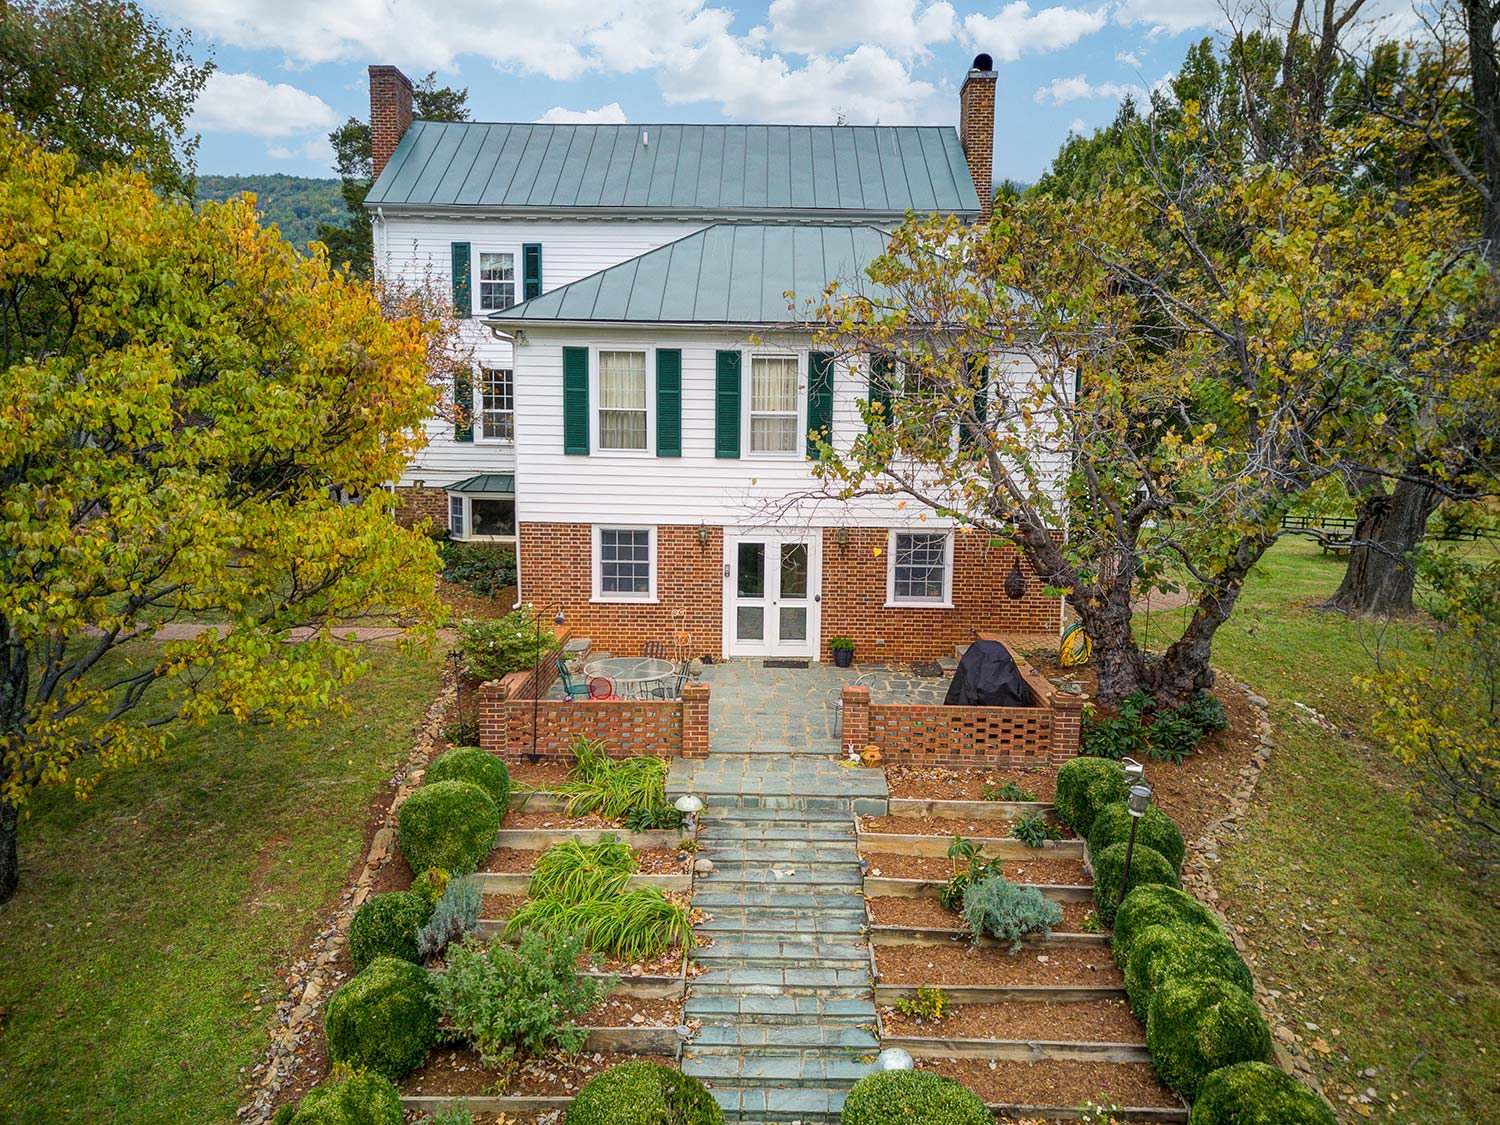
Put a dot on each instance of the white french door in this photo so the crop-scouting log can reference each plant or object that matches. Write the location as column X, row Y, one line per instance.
column 772, row 593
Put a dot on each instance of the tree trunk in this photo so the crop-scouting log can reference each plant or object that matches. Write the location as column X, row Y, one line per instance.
column 1484, row 76
column 10, row 866
column 1382, row 569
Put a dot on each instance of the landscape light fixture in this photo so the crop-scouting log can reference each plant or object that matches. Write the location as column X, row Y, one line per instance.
column 894, row 1058
column 1137, row 802
column 1134, row 771
column 689, row 806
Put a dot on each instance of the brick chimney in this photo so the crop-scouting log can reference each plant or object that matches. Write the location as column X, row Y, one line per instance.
column 976, row 128
column 390, row 113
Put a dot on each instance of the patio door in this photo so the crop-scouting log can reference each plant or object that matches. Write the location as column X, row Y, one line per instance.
column 771, row 595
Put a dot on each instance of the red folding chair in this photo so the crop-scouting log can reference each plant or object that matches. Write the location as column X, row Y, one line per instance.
column 600, row 688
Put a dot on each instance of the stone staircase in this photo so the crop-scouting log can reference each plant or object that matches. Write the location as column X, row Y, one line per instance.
column 787, row 1023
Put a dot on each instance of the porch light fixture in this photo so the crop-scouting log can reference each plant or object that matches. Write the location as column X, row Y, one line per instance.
column 689, row 806
column 894, row 1058
column 1137, row 802
column 702, row 534
column 1015, row 582
column 843, row 538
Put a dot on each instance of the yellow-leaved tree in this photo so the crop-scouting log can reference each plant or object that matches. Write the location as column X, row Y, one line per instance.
column 186, row 406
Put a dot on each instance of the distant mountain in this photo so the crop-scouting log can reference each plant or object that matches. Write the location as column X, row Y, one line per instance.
column 296, row 204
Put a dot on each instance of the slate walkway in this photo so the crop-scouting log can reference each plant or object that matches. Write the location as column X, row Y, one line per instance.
column 785, row 1004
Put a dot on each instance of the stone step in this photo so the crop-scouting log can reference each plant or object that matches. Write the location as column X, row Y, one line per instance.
column 777, row 900
column 740, row 814
column 780, row 852
column 800, row 981
column 723, row 834
column 755, row 1105
column 717, row 803
column 798, row 954
column 755, row 922
column 813, row 1068
column 781, row 1010
column 769, row 1038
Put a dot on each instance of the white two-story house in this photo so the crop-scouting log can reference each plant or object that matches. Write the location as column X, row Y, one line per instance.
column 643, row 399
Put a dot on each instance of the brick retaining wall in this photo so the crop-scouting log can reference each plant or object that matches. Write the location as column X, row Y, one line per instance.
column 670, row 728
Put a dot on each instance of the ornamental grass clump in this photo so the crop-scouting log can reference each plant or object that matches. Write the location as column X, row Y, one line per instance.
column 1008, row 912
column 611, row 787
column 345, row 1097
column 1196, row 1025
column 1156, row 830
column 575, row 872
column 1256, row 1093
column 1084, row 786
column 1162, row 953
column 477, row 767
column 447, row 824
column 384, row 1019
column 644, row 1093
column 386, row 926
column 1153, row 904
column 912, row 1097
column 1147, row 865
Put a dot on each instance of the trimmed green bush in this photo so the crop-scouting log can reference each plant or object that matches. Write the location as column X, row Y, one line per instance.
column 1156, row 904
column 386, row 926
column 1156, row 830
column 1195, row 1026
column 477, row 767
column 348, row 1098
column 912, row 1097
column 1084, row 786
column 1255, row 1093
column 383, row 1020
column 1162, row 953
column 1147, row 865
column 644, row 1093
column 448, row 824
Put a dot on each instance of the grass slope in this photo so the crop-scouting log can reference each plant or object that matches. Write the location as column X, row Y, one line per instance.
column 152, row 918
column 1385, row 954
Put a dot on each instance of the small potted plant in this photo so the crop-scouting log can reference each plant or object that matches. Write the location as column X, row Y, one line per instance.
column 843, row 651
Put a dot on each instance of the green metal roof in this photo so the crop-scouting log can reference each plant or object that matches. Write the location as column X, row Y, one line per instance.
column 718, row 169
column 729, row 273
column 503, row 483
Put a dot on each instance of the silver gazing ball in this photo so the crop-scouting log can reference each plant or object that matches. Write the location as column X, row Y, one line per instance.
column 894, row 1058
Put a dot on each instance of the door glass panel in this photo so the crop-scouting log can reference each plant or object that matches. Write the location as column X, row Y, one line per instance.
column 752, row 571
column 793, row 625
column 749, row 623
column 794, row 570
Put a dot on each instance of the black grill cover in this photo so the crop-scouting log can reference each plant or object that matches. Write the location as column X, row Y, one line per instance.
column 987, row 676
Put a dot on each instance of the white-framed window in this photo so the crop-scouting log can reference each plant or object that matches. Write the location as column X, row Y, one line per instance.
column 482, row 516
column 623, row 400
column 497, row 281
column 775, row 402
column 921, row 568
column 625, row 564
column 497, row 404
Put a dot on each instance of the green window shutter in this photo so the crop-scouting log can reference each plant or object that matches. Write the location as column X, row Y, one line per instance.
column 531, row 270
column 463, row 300
column 882, row 375
column 668, row 402
column 981, row 371
column 819, row 400
column 727, row 404
column 463, row 404
column 576, row 400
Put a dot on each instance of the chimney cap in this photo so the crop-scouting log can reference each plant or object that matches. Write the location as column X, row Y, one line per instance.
column 983, row 61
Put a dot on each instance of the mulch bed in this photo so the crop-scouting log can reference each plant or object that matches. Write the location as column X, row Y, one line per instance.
column 518, row 818
column 928, row 913
column 501, row 906
column 935, row 783
column 1067, row 872
column 666, row 964
column 625, row 1011
column 459, row 1073
column 1054, row 1082
column 949, row 965
column 1072, row 1021
column 939, row 826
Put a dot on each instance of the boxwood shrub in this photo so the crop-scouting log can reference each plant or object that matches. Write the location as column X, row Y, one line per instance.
column 644, row 1093
column 346, row 1098
column 477, row 767
column 448, row 824
column 383, row 1020
column 912, row 1097
column 1084, row 786
column 386, row 926
column 1147, row 865
column 1153, row 904
column 1196, row 1025
column 1156, row 830
column 1255, row 1093
column 1162, row 953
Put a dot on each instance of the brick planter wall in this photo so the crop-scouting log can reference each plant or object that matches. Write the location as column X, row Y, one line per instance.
column 418, row 504
column 628, row 727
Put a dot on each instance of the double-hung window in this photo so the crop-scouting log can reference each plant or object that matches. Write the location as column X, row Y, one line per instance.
column 497, row 281
column 622, row 400
column 920, row 568
column 497, row 404
column 773, row 404
column 625, row 563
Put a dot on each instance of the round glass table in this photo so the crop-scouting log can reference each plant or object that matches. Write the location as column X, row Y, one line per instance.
column 634, row 677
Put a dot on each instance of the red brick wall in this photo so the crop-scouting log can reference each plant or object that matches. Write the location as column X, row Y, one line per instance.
column 390, row 113
column 854, row 593
column 626, row 728
column 976, row 132
column 418, row 504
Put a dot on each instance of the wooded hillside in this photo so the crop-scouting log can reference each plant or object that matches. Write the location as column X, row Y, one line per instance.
column 296, row 204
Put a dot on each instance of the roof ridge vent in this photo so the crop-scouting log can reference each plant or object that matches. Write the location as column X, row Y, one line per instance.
column 645, row 138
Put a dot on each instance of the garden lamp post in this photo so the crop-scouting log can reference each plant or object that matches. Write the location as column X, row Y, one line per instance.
column 536, row 677
column 1138, row 801
column 689, row 806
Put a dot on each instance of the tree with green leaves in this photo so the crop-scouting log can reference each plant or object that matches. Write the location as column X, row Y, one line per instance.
column 104, row 80
column 187, row 408
column 353, row 162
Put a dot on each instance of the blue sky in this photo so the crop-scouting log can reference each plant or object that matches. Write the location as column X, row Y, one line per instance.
column 288, row 71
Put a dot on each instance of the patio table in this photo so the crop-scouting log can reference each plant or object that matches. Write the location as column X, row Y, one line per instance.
column 633, row 676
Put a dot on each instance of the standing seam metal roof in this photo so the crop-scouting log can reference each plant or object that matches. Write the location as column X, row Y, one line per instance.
column 879, row 169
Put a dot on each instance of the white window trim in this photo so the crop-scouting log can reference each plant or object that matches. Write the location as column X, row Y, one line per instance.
column 466, row 498
column 599, row 596
column 595, row 407
column 476, row 282
column 477, row 405
column 891, row 601
column 798, row 452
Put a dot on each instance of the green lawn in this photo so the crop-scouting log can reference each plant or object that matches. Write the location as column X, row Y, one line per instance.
column 151, row 919
column 1387, row 956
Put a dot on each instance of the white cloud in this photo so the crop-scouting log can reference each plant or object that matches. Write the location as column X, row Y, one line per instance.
column 1016, row 30
column 610, row 114
column 814, row 27
column 1077, row 126
column 1060, row 91
column 1127, row 58
column 1170, row 17
column 279, row 152
column 246, row 103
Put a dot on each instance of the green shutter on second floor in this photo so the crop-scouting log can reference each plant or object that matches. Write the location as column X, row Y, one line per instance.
column 531, row 270
column 669, row 402
column 576, row 400
column 882, row 376
column 727, row 404
column 463, row 300
column 463, row 405
column 981, row 369
column 819, row 400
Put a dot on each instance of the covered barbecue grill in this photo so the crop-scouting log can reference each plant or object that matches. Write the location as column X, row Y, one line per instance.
column 987, row 676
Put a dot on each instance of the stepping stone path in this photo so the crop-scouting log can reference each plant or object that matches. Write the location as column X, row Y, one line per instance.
column 785, row 1001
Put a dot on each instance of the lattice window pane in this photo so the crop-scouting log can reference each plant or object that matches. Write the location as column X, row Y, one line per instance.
column 497, row 402
column 920, row 565
column 624, row 561
column 497, row 281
